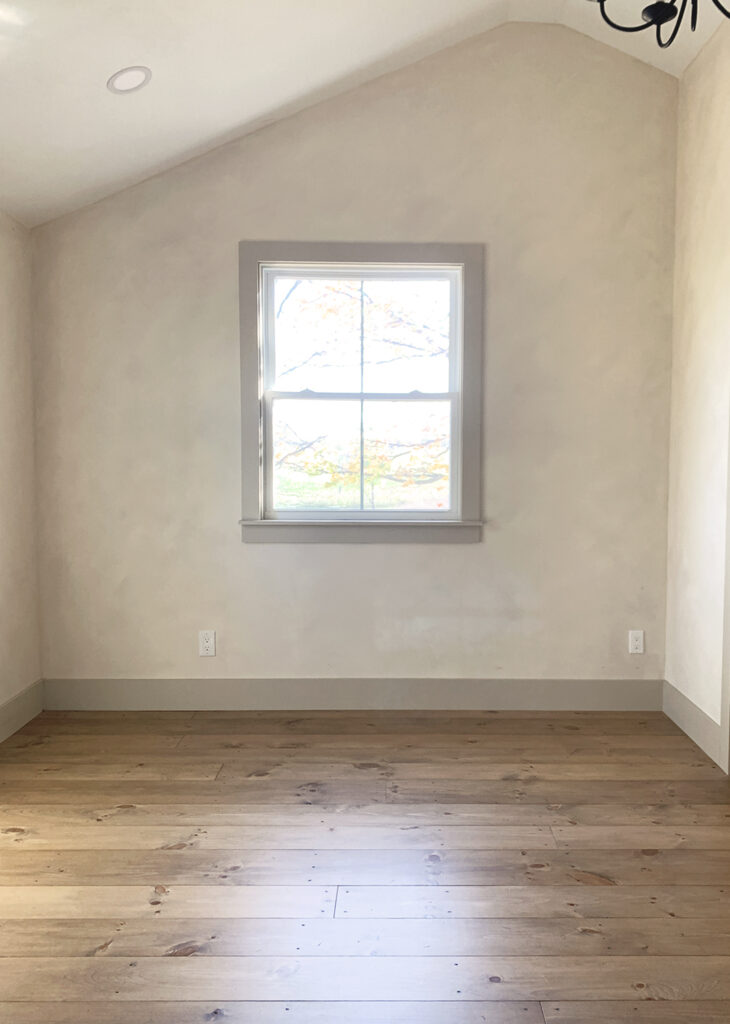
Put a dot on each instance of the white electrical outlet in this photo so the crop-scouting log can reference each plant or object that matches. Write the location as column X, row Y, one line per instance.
column 636, row 641
column 206, row 643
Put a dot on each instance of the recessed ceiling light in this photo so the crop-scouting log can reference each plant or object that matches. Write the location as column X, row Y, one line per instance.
column 129, row 79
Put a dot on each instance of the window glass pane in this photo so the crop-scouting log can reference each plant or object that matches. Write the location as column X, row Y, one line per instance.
column 316, row 334
column 407, row 455
column 406, row 334
column 316, row 454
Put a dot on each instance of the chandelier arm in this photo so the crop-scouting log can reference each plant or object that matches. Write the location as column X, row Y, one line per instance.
column 660, row 13
column 675, row 31
column 615, row 24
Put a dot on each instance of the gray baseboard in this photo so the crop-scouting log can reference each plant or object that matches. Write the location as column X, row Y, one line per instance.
column 352, row 694
column 19, row 710
column 700, row 728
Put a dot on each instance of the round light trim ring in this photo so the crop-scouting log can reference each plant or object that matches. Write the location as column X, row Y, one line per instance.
column 129, row 79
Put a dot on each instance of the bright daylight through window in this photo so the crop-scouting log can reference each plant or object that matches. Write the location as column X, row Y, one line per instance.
column 361, row 398
column 361, row 390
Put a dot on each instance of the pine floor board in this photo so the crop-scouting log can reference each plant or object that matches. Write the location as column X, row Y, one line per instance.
column 365, row 978
column 309, row 791
column 685, row 1012
column 62, row 814
column 585, row 901
column 353, row 723
column 637, row 837
column 172, row 770
column 289, row 1012
column 640, row 769
column 159, row 900
column 327, row 936
column 284, row 837
column 407, row 746
column 350, row 867
column 538, row 791
column 312, row 790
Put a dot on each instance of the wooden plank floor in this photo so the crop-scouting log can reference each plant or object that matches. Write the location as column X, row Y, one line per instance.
column 364, row 867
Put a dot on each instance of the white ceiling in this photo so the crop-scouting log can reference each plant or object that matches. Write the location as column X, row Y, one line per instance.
column 220, row 68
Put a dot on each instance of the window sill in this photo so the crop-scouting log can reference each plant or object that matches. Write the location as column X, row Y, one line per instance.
column 280, row 531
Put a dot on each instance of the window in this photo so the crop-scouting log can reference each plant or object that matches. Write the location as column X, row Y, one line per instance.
column 361, row 370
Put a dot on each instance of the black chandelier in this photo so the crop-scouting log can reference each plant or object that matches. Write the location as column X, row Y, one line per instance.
column 659, row 14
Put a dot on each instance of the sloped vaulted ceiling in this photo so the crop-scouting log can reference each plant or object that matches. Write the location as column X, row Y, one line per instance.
column 220, row 68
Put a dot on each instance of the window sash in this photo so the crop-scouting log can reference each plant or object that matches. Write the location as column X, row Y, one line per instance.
column 358, row 514
column 269, row 273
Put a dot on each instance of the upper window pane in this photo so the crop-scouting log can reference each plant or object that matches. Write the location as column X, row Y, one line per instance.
column 376, row 332
column 407, row 334
column 317, row 343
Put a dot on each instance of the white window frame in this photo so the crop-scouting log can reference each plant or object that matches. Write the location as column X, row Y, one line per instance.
column 260, row 264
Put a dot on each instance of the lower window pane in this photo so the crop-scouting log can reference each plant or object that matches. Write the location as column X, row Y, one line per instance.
column 316, row 454
column 407, row 455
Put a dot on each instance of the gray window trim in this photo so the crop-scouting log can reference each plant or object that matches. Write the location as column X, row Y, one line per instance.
column 255, row 528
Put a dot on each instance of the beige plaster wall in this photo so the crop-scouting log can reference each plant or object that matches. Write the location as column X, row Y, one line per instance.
column 556, row 152
column 698, row 501
column 19, row 642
